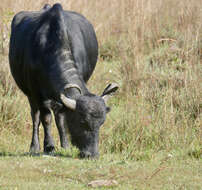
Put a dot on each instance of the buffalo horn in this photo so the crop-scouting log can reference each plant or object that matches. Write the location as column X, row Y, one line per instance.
column 68, row 102
column 73, row 86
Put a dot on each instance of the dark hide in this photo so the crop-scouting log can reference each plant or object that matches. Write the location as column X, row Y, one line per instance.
column 50, row 49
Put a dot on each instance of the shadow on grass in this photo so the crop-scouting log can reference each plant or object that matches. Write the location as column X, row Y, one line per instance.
column 40, row 154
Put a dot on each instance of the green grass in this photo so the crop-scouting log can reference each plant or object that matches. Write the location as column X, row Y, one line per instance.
column 19, row 171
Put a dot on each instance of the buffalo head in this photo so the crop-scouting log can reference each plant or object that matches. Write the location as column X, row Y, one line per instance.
column 84, row 116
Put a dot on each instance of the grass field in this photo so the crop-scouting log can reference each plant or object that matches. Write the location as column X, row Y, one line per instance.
column 42, row 172
column 152, row 138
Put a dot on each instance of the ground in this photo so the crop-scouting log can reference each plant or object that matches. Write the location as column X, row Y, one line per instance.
column 66, row 171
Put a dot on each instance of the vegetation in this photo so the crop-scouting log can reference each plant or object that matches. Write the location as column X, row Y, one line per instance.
column 56, row 173
column 153, row 50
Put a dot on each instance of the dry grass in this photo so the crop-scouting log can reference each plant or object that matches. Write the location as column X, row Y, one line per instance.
column 153, row 49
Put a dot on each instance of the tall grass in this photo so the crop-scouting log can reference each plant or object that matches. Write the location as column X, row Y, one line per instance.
column 153, row 49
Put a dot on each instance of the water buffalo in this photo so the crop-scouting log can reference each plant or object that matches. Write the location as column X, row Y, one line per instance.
column 52, row 54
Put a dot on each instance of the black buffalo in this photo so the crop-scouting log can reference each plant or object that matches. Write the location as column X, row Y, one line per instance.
column 52, row 55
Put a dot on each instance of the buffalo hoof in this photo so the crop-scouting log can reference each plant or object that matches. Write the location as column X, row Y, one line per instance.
column 34, row 149
column 49, row 149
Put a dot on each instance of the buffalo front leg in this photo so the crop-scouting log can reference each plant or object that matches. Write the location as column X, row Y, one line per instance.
column 60, row 122
column 35, row 145
column 46, row 119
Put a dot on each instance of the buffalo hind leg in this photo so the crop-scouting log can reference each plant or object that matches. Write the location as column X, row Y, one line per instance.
column 46, row 119
column 60, row 123
column 35, row 145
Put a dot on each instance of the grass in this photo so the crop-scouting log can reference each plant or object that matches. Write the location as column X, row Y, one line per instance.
column 152, row 138
column 56, row 172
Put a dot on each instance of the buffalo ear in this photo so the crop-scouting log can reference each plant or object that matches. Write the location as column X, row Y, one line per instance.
column 109, row 90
